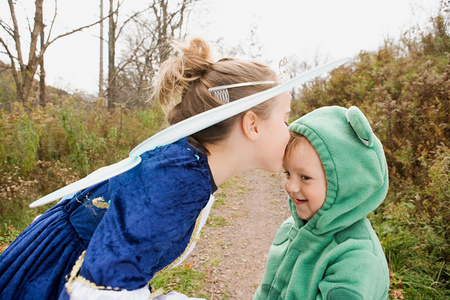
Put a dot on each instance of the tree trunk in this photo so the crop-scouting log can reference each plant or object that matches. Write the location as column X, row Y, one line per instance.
column 112, row 89
column 33, row 60
column 42, row 68
column 100, row 79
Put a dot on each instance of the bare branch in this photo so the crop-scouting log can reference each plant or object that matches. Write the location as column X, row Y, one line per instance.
column 16, row 35
column 7, row 28
column 132, row 17
column 11, row 57
column 74, row 31
column 52, row 23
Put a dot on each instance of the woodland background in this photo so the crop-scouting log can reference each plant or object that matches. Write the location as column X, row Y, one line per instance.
column 49, row 141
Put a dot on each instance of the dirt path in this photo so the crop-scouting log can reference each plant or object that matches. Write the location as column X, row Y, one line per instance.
column 234, row 246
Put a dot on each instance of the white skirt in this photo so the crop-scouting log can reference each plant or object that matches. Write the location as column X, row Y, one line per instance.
column 175, row 296
column 84, row 292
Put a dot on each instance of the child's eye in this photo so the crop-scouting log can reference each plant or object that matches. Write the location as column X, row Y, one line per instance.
column 286, row 173
column 286, row 123
column 304, row 177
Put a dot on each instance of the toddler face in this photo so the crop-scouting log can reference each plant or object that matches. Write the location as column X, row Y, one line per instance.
column 306, row 182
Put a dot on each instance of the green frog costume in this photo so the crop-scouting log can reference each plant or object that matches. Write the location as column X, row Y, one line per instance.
column 336, row 255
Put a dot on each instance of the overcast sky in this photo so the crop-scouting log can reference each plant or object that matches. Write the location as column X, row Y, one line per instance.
column 283, row 28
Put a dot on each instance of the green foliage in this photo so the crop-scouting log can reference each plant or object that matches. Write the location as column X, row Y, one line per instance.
column 43, row 149
column 7, row 86
column 20, row 139
column 406, row 97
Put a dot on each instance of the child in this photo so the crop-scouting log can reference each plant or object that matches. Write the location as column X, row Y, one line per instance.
column 336, row 174
column 110, row 239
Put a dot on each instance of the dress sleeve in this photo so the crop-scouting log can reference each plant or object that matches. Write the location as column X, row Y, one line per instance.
column 152, row 214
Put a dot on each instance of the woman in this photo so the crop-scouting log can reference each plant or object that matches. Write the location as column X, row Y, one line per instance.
column 109, row 240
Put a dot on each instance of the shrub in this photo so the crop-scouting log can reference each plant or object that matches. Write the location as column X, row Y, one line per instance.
column 43, row 149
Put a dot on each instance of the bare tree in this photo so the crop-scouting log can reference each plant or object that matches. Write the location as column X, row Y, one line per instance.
column 25, row 70
column 148, row 46
column 114, row 32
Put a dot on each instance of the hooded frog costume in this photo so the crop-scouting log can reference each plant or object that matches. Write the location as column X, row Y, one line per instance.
column 336, row 254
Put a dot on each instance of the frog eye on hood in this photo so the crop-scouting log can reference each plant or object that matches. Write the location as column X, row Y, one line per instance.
column 360, row 125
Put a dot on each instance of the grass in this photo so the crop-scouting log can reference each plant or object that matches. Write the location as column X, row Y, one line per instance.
column 16, row 222
column 217, row 221
column 415, row 252
column 182, row 279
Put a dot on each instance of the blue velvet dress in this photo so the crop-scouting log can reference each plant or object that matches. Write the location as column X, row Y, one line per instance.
column 131, row 226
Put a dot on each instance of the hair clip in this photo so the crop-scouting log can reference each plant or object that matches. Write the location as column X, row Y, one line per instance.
column 221, row 92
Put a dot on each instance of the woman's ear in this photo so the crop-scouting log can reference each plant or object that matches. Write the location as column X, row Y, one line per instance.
column 250, row 125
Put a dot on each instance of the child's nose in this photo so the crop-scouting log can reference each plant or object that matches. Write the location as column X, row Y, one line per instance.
column 292, row 186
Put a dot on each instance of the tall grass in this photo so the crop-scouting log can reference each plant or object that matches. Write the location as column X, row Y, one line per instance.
column 43, row 149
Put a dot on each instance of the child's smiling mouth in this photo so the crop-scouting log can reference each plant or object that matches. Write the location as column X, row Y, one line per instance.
column 299, row 201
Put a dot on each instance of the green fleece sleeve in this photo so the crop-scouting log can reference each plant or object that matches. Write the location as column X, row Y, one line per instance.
column 356, row 275
column 257, row 295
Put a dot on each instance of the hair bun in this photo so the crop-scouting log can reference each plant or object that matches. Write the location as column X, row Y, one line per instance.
column 197, row 47
column 178, row 72
column 196, row 58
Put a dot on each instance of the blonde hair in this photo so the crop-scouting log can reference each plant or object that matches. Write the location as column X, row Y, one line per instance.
column 191, row 73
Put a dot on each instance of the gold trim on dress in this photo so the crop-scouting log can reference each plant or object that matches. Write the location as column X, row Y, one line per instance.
column 194, row 239
column 76, row 268
column 75, row 277
column 100, row 202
